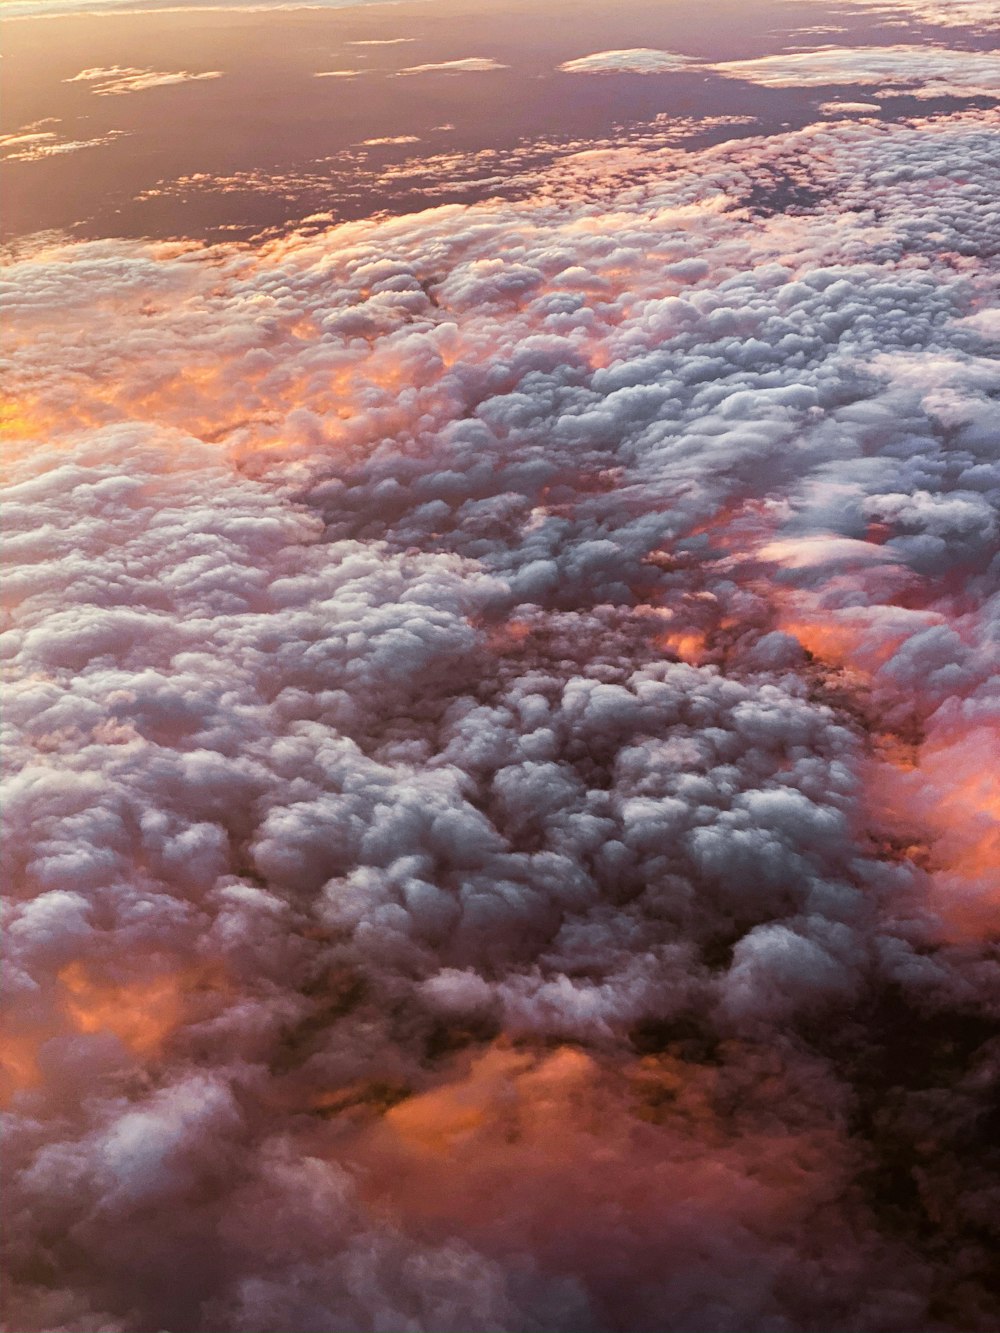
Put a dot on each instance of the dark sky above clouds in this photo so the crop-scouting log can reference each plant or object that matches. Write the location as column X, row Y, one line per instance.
column 501, row 816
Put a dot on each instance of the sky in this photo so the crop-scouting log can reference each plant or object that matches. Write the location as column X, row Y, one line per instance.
column 501, row 615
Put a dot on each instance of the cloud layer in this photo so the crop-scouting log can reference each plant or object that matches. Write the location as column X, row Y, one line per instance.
column 500, row 817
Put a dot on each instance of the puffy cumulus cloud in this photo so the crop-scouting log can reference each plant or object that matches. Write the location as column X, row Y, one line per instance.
column 500, row 818
column 925, row 70
column 638, row 60
column 467, row 65
column 115, row 80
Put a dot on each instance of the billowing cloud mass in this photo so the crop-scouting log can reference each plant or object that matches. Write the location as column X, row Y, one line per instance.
column 501, row 814
column 638, row 60
column 114, row 80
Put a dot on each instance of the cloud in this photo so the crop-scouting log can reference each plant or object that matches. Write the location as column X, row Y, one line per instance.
column 638, row 60
column 468, row 65
column 921, row 70
column 847, row 108
column 33, row 142
column 512, row 172
column 339, row 73
column 393, row 140
column 114, row 81
column 500, row 827
column 927, row 71
column 977, row 15
column 34, row 132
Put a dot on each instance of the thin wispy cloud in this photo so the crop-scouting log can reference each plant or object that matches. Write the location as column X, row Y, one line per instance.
column 116, row 80
column 469, row 65
column 636, row 60
column 34, row 142
column 390, row 140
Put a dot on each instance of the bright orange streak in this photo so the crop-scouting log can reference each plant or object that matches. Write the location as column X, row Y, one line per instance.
column 690, row 645
column 569, row 1147
column 15, row 424
column 841, row 644
column 943, row 794
column 19, row 424
column 140, row 1014
column 955, row 792
column 18, row 1066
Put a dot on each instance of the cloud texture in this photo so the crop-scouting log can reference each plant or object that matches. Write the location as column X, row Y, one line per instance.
column 501, row 821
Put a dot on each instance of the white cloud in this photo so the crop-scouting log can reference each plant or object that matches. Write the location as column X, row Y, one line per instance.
column 390, row 140
column 928, row 70
column 638, row 60
column 468, row 65
column 925, row 70
column 847, row 108
column 34, row 143
column 978, row 15
column 114, row 80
